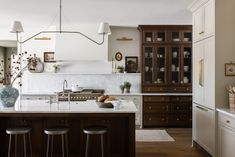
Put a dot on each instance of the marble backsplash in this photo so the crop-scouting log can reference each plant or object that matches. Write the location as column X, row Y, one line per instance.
column 53, row 82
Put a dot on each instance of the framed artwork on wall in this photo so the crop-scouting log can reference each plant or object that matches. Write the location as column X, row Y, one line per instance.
column 131, row 64
column 49, row 56
column 229, row 69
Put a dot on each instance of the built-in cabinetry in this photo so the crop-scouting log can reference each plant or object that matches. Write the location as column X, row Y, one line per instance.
column 137, row 99
column 166, row 58
column 226, row 135
column 167, row 111
column 213, row 42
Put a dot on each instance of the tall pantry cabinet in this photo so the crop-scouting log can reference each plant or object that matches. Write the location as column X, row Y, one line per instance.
column 213, row 46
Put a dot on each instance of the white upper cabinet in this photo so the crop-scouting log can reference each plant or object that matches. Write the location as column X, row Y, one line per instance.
column 204, row 20
column 74, row 46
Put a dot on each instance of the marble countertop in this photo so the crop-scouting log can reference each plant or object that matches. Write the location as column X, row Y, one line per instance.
column 90, row 106
column 227, row 111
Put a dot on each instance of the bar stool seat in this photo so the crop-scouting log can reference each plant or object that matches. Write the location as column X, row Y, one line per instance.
column 56, row 131
column 14, row 132
column 95, row 130
column 51, row 132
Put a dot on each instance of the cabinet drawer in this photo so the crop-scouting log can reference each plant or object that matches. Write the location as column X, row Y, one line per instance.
column 182, row 108
column 156, row 99
column 180, row 89
column 181, row 120
column 156, row 120
column 181, row 98
column 155, row 89
column 156, row 108
column 226, row 120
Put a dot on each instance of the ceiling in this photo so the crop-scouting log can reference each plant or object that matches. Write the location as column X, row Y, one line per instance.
column 34, row 13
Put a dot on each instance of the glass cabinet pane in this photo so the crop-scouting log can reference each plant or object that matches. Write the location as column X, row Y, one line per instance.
column 148, row 37
column 160, row 36
column 160, row 70
column 148, row 64
column 187, row 36
column 175, row 36
column 175, row 65
column 187, row 65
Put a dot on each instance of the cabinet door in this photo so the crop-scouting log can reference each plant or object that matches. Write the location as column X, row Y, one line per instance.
column 209, row 73
column 186, row 65
column 197, row 24
column 209, row 19
column 198, row 73
column 148, row 64
column 204, row 127
column 226, row 141
column 175, row 67
column 160, row 65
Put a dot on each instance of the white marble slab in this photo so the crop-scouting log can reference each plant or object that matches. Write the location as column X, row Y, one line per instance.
column 90, row 106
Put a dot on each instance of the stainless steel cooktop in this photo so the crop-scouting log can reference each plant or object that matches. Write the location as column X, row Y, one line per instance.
column 85, row 94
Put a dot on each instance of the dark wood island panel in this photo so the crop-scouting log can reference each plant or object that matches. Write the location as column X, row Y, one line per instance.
column 119, row 140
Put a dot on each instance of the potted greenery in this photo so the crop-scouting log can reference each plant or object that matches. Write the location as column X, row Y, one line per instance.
column 127, row 86
column 122, row 87
column 120, row 69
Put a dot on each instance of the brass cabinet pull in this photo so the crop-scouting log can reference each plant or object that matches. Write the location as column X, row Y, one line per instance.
column 174, row 89
column 150, row 107
column 167, row 108
column 150, row 119
column 177, row 119
column 177, row 108
column 163, row 119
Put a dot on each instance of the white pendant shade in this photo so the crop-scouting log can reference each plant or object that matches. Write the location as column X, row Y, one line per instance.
column 16, row 27
column 104, row 28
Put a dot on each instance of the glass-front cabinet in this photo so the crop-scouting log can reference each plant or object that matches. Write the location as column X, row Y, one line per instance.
column 166, row 58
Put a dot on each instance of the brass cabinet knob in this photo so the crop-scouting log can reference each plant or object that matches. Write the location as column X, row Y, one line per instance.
column 227, row 121
column 150, row 107
column 177, row 119
column 163, row 119
column 150, row 119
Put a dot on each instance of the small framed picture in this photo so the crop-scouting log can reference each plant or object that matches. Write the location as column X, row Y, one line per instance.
column 49, row 56
column 229, row 69
column 131, row 64
column 118, row 56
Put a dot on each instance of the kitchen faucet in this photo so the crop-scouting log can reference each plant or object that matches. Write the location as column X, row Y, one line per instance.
column 65, row 84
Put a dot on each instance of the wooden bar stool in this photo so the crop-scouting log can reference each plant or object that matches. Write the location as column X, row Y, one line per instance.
column 95, row 130
column 63, row 132
column 19, row 131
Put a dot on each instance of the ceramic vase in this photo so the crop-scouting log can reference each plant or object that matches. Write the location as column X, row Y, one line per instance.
column 8, row 96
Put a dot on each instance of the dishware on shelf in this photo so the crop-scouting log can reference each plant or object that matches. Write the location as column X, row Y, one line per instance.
column 176, row 39
column 161, row 55
column 148, row 39
column 151, row 55
column 177, row 68
column 146, row 54
column 162, row 69
column 173, row 67
column 186, row 54
column 186, row 80
column 186, row 68
column 174, row 54
column 186, row 39
column 146, row 68
column 159, row 39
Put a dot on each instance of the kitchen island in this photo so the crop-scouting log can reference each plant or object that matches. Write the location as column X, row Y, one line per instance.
column 40, row 114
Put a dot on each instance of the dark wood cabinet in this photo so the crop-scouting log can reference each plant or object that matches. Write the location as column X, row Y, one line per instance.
column 166, row 58
column 167, row 111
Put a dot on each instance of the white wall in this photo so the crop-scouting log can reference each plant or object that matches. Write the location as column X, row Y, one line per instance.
column 127, row 48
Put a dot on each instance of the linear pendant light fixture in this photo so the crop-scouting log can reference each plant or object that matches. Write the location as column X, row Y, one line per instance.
column 17, row 28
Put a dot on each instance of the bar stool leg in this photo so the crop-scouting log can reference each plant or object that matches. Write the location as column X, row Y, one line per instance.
column 52, row 141
column 87, row 144
column 67, row 147
column 15, row 145
column 62, row 141
column 30, row 145
column 24, row 146
column 102, row 144
column 48, row 144
column 9, row 147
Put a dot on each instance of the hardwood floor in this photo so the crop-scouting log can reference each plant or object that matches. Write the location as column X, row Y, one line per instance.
column 180, row 148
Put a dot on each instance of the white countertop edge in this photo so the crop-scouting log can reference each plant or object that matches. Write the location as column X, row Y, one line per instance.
column 227, row 111
column 115, row 93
